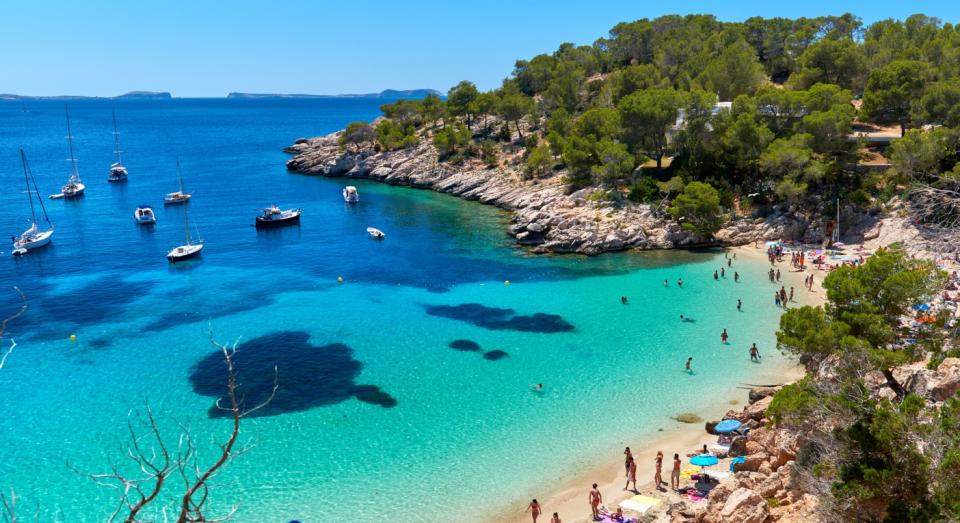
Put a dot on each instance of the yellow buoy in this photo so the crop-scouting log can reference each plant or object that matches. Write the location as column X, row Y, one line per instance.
column 339, row 279
column 506, row 282
column 73, row 337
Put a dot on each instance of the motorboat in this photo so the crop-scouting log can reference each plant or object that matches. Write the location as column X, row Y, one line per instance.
column 118, row 173
column 177, row 196
column 34, row 237
column 376, row 233
column 74, row 187
column 274, row 217
column 350, row 194
column 189, row 249
column 144, row 214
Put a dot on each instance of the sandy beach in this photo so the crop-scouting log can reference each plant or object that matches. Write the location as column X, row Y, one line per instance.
column 569, row 498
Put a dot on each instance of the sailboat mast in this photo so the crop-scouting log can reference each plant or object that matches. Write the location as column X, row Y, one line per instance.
column 186, row 225
column 26, row 180
column 179, row 176
column 73, row 158
column 116, row 139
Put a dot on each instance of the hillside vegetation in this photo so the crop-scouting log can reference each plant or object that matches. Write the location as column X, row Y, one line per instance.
column 711, row 115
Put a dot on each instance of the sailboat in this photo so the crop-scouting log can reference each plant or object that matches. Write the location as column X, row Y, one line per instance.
column 177, row 196
column 32, row 238
column 118, row 173
column 190, row 249
column 74, row 187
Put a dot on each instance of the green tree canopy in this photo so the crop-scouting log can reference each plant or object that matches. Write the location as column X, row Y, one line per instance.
column 940, row 104
column 831, row 61
column 892, row 89
column 736, row 71
column 461, row 98
column 647, row 116
column 698, row 209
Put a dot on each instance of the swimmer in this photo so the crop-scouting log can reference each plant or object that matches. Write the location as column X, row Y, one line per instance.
column 537, row 388
column 680, row 282
column 686, row 318
column 723, row 272
column 666, row 283
column 623, row 300
column 715, row 276
column 739, row 305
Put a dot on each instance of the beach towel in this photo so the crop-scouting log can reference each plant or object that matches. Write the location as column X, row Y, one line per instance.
column 606, row 518
column 688, row 471
column 640, row 504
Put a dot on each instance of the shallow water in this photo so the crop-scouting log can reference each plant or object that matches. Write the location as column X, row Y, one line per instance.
column 376, row 413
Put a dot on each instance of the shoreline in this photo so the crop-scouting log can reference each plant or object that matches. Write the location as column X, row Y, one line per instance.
column 569, row 499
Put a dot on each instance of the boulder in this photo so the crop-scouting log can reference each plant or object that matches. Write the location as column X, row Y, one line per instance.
column 758, row 393
column 753, row 462
column 744, row 506
column 947, row 381
column 738, row 447
column 758, row 409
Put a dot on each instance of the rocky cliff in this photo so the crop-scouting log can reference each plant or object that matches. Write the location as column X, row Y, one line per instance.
column 544, row 216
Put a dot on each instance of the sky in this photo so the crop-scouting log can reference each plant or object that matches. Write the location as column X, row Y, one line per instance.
column 204, row 48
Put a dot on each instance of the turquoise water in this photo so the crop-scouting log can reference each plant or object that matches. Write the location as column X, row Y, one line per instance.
column 451, row 431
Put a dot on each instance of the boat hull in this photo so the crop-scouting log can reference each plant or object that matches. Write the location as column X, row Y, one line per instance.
column 144, row 218
column 184, row 252
column 37, row 241
column 279, row 222
column 176, row 201
column 75, row 192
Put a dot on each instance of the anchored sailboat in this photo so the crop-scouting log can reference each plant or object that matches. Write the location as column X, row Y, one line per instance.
column 177, row 196
column 74, row 187
column 118, row 173
column 190, row 249
column 34, row 237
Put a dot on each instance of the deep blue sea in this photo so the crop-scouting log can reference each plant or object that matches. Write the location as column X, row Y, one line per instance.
column 404, row 391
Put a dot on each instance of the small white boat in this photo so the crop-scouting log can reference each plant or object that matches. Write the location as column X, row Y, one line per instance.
column 177, row 196
column 118, row 173
column 34, row 237
column 376, row 233
column 144, row 214
column 350, row 194
column 74, row 187
column 274, row 217
column 190, row 249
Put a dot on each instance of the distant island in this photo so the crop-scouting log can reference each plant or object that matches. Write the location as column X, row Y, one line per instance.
column 132, row 95
column 391, row 94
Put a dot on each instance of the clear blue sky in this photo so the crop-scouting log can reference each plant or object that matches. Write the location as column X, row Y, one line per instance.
column 209, row 48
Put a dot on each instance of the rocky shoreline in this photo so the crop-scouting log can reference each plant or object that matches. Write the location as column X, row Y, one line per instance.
column 544, row 217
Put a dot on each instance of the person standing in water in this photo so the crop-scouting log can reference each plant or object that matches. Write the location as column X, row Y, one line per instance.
column 689, row 362
column 716, row 276
column 595, row 499
column 680, row 282
column 631, row 474
column 675, row 473
column 739, row 305
column 534, row 509
column 623, row 300
column 723, row 336
column 736, row 277
column 754, row 353
column 666, row 283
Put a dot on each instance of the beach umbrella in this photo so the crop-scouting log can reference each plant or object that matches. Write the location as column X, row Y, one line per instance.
column 704, row 460
column 727, row 425
column 921, row 307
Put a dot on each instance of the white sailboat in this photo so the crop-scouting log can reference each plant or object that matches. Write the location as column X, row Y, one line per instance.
column 177, row 196
column 34, row 237
column 118, row 173
column 74, row 187
column 188, row 250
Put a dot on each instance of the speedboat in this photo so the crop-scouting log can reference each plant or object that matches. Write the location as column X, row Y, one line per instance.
column 189, row 249
column 376, row 233
column 350, row 194
column 177, row 196
column 274, row 217
column 144, row 214
column 34, row 237
column 118, row 173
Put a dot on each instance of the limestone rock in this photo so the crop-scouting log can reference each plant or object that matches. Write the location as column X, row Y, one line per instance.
column 744, row 506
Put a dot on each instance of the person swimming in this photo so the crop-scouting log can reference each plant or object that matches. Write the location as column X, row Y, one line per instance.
column 716, row 276
column 623, row 300
column 666, row 283
column 687, row 319
column 680, row 282
column 739, row 305
column 537, row 388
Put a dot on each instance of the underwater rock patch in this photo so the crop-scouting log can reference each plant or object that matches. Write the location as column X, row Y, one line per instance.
column 465, row 345
column 496, row 318
column 307, row 375
column 495, row 355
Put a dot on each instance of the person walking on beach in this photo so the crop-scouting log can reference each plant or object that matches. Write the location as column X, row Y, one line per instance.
column 555, row 518
column 723, row 336
column 595, row 499
column 534, row 509
column 657, row 478
column 778, row 274
column 628, row 457
column 770, row 275
column 754, row 353
column 631, row 474
column 675, row 473
column 689, row 362
column 791, row 293
column 739, row 305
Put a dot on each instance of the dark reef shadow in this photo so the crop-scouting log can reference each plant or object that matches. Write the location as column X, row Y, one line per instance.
column 495, row 355
column 465, row 345
column 500, row 319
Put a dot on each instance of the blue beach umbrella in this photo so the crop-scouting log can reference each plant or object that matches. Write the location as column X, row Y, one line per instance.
column 704, row 460
column 921, row 307
column 727, row 425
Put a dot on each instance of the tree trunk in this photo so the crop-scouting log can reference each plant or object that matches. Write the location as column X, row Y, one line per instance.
column 659, row 161
column 903, row 129
column 894, row 384
column 519, row 133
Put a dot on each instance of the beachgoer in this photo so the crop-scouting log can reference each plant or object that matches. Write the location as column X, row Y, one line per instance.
column 555, row 518
column 770, row 274
column 618, row 515
column 595, row 499
column 675, row 473
column 716, row 276
column 729, row 263
column 776, row 298
column 631, row 474
column 778, row 274
column 666, row 283
column 739, row 304
column 689, row 362
column 623, row 300
column 754, row 353
column 723, row 336
column 628, row 456
column 791, row 293
column 736, row 276
column 538, row 387
column 657, row 479
column 723, row 272
column 534, row 509
column 680, row 282
column 734, row 256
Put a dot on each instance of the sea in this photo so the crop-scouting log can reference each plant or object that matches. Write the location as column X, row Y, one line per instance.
column 405, row 367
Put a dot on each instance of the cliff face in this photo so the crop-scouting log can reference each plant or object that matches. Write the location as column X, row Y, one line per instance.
column 544, row 216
